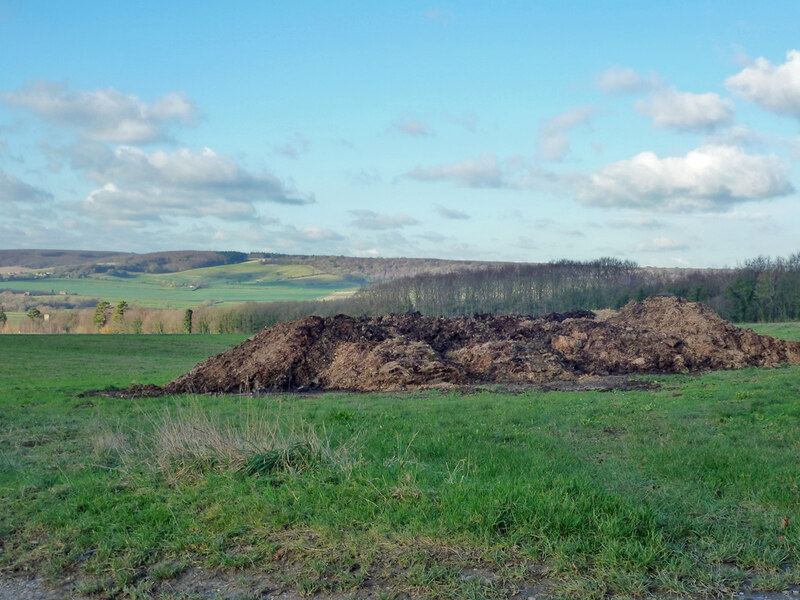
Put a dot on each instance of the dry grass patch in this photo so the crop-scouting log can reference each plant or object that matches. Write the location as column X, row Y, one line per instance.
column 186, row 442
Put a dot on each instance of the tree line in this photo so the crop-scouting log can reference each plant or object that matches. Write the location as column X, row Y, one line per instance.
column 762, row 289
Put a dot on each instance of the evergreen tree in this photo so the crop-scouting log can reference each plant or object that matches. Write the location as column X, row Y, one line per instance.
column 100, row 317
column 119, row 311
column 187, row 321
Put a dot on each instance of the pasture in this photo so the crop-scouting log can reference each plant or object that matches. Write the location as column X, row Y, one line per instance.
column 688, row 490
column 243, row 282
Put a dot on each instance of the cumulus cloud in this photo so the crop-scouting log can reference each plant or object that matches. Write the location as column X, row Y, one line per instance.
column 138, row 186
column 775, row 88
column 132, row 207
column 13, row 190
column 367, row 219
column 481, row 172
column 449, row 213
column 552, row 141
column 105, row 115
column 618, row 80
column 707, row 178
column 670, row 108
column 203, row 173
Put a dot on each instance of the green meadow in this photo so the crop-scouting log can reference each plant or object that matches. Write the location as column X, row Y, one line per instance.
column 243, row 282
column 689, row 490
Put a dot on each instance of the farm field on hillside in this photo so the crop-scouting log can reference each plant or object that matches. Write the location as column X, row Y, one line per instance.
column 242, row 282
column 687, row 490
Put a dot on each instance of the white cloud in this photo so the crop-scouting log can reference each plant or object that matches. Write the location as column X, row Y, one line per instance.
column 136, row 207
column 138, row 186
column 775, row 88
column 661, row 244
column 294, row 147
column 414, row 128
column 318, row 234
column 486, row 171
column 707, row 178
column 13, row 190
column 737, row 135
column 670, row 108
column 367, row 219
column 552, row 141
column 186, row 173
column 527, row 242
column 573, row 232
column 618, row 80
column 365, row 176
column 437, row 14
column 433, row 236
column 482, row 172
column 450, row 213
column 105, row 115
column 636, row 223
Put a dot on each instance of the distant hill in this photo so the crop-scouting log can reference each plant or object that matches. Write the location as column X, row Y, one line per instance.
column 43, row 259
column 372, row 270
column 82, row 263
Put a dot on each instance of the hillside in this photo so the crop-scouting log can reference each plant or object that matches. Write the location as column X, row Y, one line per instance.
column 241, row 282
column 83, row 263
column 373, row 270
column 42, row 259
column 21, row 264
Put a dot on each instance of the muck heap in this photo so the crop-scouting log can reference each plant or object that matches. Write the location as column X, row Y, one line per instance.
column 409, row 351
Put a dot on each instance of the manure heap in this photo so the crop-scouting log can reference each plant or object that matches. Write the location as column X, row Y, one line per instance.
column 410, row 351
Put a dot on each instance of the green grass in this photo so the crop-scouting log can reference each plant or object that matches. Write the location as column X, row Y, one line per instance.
column 242, row 282
column 688, row 490
column 786, row 331
column 15, row 317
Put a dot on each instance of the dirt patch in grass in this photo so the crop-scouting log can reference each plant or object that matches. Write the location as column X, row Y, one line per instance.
column 400, row 352
column 661, row 335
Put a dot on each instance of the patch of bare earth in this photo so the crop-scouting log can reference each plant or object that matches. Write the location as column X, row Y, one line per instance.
column 661, row 335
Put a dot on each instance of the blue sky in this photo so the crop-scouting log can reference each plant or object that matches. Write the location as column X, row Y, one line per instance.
column 665, row 133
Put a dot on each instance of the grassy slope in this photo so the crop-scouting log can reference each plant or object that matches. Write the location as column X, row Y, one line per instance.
column 227, row 283
column 689, row 489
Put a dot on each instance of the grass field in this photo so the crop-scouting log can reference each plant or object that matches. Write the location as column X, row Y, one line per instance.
column 15, row 317
column 241, row 282
column 688, row 490
column 784, row 331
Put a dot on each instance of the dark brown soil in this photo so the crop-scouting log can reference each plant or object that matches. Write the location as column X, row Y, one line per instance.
column 404, row 352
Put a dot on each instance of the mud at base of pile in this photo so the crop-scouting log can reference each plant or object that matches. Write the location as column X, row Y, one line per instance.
column 661, row 335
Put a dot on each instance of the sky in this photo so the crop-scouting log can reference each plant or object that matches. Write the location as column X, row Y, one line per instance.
column 663, row 133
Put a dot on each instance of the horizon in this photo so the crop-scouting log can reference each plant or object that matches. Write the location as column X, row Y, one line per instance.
column 251, row 252
column 664, row 135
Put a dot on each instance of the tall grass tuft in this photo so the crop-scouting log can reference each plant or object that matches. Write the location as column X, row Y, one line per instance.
column 188, row 441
